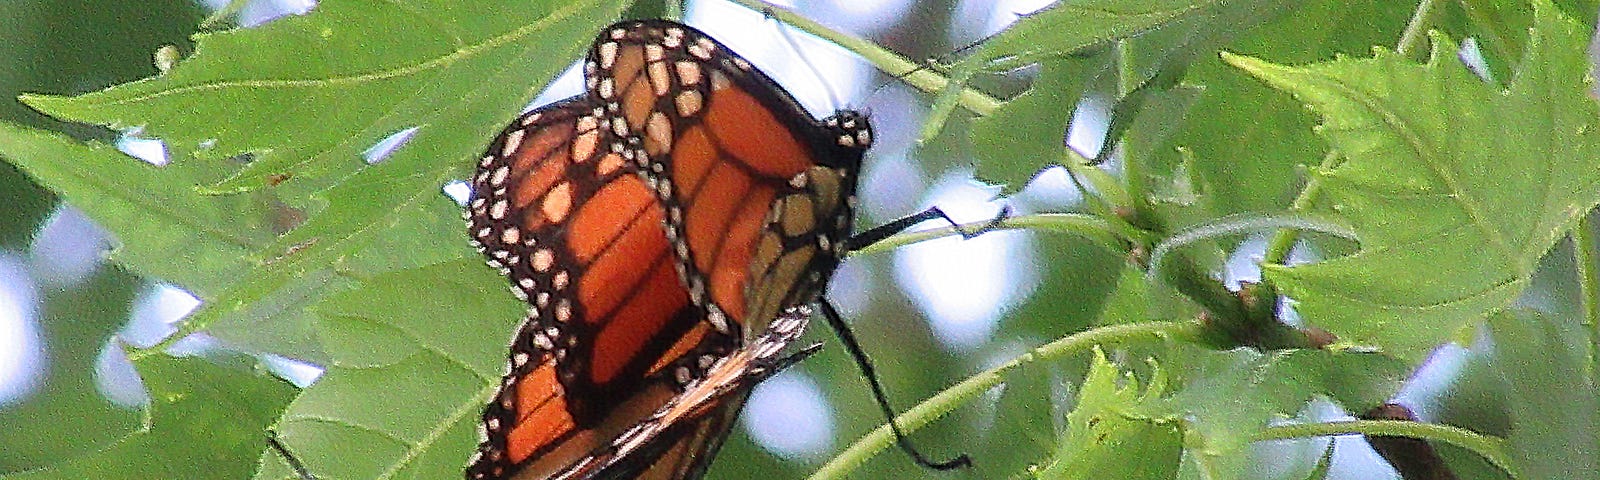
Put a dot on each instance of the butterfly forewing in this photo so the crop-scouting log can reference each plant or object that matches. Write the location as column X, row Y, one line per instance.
column 759, row 195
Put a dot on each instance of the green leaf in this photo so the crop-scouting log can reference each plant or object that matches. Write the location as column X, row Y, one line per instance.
column 1131, row 301
column 1029, row 131
column 492, row 65
column 169, row 231
column 1148, row 116
column 1060, row 31
column 1079, row 277
column 1250, row 147
column 1498, row 27
column 456, row 73
column 1062, row 36
column 1029, row 419
column 1277, row 386
column 29, row 204
column 1137, row 298
column 409, row 375
column 1103, row 440
column 78, row 45
column 1554, row 404
column 1072, row 26
column 278, row 322
column 204, row 421
column 308, row 94
column 1453, row 196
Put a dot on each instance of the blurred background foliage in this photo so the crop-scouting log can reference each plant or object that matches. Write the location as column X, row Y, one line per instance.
column 70, row 47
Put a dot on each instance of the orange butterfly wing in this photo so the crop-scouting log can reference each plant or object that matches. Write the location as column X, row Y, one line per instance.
column 611, row 334
column 759, row 195
column 680, row 438
column 757, row 199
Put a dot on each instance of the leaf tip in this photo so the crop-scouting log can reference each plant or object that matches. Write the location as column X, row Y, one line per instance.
column 39, row 101
column 1254, row 66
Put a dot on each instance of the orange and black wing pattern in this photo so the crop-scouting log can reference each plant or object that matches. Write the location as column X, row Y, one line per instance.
column 610, row 335
column 759, row 196
column 668, row 230
column 679, row 439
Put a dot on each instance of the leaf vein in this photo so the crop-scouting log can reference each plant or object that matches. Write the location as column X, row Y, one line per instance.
column 555, row 16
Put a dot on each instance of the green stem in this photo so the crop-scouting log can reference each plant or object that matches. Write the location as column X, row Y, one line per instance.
column 1489, row 447
column 1583, row 246
column 136, row 354
column 1282, row 242
column 1104, row 185
column 1241, row 223
column 970, row 389
column 1412, row 37
column 1087, row 226
column 887, row 61
column 1106, row 199
column 1133, row 163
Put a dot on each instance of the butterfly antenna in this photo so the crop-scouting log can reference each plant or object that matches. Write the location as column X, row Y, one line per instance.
column 833, row 97
column 294, row 462
column 848, row 338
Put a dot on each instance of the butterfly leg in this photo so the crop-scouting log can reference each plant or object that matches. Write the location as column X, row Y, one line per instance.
column 877, row 234
column 854, row 347
column 793, row 358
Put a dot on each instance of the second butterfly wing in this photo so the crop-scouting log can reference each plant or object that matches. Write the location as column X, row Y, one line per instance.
column 679, row 440
column 611, row 335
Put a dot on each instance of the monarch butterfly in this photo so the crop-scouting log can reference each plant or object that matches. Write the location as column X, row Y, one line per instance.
column 642, row 342
column 611, row 335
column 726, row 151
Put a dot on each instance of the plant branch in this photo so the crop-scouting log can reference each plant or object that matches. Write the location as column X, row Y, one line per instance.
column 889, row 62
column 1412, row 37
column 1283, row 242
column 1489, row 447
column 970, row 389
